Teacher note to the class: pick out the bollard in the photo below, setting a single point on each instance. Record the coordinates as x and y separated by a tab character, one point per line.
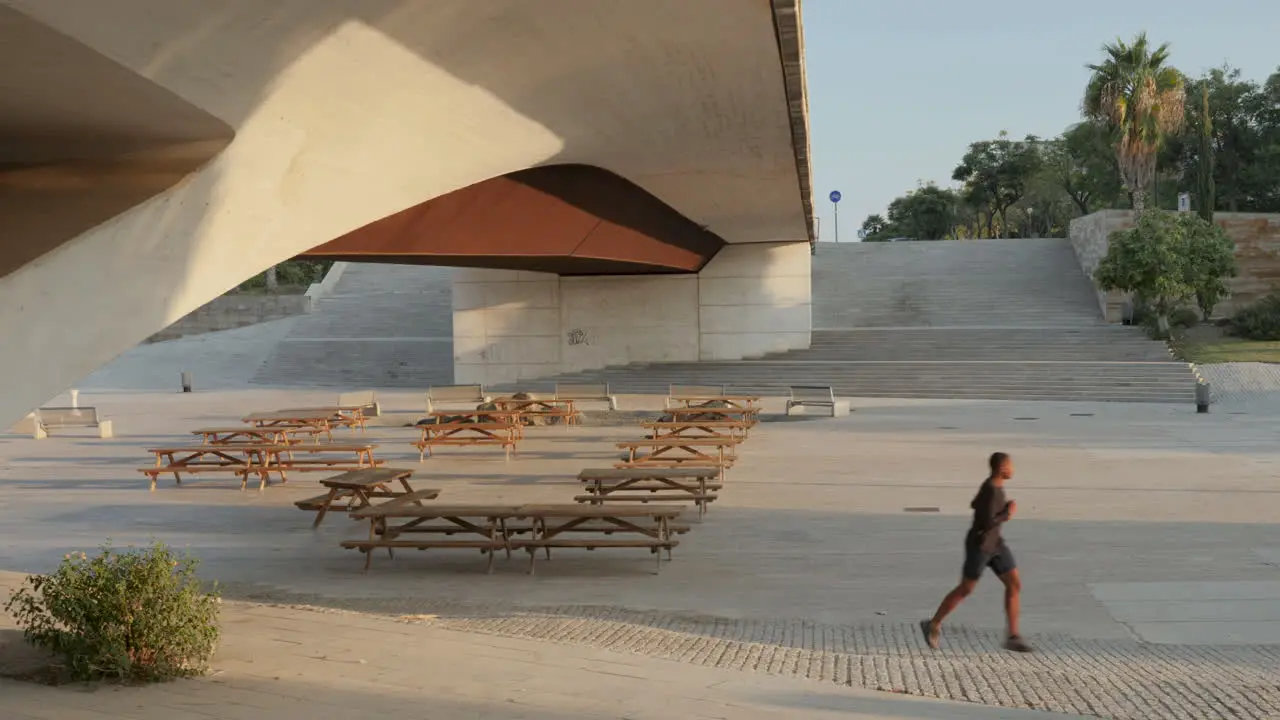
186	381
75	398
1202	397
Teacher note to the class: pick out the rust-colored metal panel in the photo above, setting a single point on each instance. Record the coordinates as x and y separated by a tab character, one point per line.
570	217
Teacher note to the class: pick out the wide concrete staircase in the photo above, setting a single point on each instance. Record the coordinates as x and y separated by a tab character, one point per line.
381	326
988	319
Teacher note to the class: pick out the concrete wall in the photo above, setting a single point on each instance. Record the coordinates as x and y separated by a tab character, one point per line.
1089	238
686	100
1257	240
748	301
234	311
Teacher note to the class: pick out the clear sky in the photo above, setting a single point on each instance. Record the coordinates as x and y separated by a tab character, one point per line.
899	88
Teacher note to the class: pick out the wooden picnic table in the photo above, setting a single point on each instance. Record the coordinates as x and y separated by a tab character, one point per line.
322	458
500	417
547	407
245	458
357	487
238	459
696	428
680	452
484	524
744	402
490	528
247	434
645	485
350	416
466	434
550	522
321	422
750	416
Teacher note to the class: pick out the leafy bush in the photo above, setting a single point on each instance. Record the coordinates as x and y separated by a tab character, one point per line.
1169	258
132	615
1259	321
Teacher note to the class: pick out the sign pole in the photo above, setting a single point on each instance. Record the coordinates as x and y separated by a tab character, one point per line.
835	207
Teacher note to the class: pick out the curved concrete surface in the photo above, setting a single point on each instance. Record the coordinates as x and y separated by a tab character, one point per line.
347	111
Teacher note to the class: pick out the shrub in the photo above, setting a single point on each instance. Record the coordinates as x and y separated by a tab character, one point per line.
132	615
1259	321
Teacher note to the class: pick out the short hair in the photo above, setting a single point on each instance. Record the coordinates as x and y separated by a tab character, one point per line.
997	459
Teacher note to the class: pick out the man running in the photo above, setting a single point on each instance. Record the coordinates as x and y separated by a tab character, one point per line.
983	548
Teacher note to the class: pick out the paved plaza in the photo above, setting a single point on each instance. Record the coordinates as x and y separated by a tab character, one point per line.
1146	536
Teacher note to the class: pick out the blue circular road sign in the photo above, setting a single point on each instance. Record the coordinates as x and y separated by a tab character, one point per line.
835	196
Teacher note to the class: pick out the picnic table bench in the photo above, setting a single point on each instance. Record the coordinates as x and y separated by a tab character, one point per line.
501	417
245	458
645	485
358	487
320	422
534	407
659	429
490	528
239	459
485	524
680	452
466	434
248	434
559	526
348	416
745	402
690	413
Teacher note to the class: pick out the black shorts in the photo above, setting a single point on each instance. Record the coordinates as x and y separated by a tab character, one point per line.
976	560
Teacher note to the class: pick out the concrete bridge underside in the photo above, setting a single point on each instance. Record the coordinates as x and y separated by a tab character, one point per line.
153	155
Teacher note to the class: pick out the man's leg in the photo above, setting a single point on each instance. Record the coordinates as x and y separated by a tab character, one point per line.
1012	599
932	628
1012	603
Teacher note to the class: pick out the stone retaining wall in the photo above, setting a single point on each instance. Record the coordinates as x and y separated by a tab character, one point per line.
233	311
1257	239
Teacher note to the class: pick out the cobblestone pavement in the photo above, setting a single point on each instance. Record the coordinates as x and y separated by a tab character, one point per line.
1121	679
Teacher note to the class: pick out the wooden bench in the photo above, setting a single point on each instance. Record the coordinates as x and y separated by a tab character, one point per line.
358	487
471	395
586	392
649	485
556	526
716	402
239	459
465	434
811	396
60	418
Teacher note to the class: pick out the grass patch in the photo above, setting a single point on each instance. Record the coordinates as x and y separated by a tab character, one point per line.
1227	349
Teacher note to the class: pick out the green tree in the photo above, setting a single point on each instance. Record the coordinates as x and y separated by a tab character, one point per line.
1205	191
926	213
1211	259
874	227
1167	259
1142	100
1084	164
998	172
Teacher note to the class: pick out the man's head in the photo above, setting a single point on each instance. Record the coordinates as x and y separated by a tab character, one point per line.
1001	466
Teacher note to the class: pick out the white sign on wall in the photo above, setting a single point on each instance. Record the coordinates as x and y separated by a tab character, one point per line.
1184	202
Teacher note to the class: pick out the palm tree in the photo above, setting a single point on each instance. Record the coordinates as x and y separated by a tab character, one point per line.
1143	101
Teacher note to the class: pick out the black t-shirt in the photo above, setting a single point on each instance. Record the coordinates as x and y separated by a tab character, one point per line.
990	510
